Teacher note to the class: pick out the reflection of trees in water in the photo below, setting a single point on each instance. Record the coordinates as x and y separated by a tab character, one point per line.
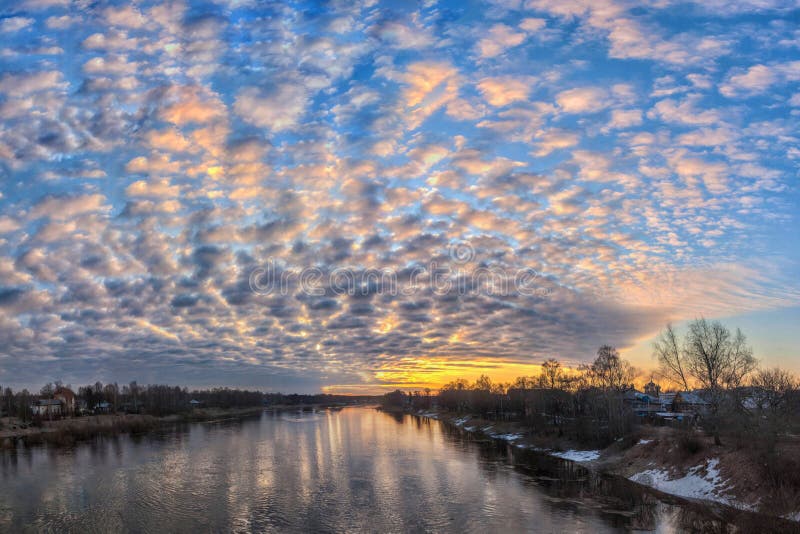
397	416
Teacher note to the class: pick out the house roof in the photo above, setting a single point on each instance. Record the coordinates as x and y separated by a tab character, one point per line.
666	398
48	402
689	398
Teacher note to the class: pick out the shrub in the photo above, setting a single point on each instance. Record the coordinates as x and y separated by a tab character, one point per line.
690	443
629	440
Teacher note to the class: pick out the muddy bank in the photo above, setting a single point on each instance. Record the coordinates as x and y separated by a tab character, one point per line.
654	457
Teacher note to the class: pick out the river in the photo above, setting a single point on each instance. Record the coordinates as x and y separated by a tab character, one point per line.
353	470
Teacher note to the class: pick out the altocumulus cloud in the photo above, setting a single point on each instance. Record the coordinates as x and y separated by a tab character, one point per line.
642	164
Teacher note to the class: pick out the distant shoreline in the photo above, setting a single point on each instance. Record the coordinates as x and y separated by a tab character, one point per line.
316	406
63	432
67	431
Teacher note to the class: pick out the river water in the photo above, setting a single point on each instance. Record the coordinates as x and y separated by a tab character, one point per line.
353	470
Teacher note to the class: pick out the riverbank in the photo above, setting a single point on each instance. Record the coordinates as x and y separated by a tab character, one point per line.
655	457
69	430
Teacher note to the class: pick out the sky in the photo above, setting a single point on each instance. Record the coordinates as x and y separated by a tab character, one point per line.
203	193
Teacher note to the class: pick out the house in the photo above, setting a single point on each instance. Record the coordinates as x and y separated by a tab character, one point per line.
753	398
102	407
656	405
689	402
638	402
67	398
665	400
194	403
46	408
651	403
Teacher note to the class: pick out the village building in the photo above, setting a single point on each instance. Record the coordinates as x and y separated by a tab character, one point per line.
67	398
652	390
689	402
669	406
47	408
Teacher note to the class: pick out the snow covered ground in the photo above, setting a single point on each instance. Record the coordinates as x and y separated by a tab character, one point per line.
578	456
793	517
693	485
507	437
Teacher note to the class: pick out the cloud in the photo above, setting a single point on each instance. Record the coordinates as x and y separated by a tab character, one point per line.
23	84
532	25
628	37
411	36
112	40
555	140
115	64
190	104
15	24
152	188
45	4
427	87
169	151
759	78
278	109
63	208
624	118
61	22
499	38
582	100
169	139
685	112
125	16
504	90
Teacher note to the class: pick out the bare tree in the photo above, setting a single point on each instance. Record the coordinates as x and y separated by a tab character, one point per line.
609	371
483	383
775	379
524	382
716	358
47	390
774	384
551	373
671	359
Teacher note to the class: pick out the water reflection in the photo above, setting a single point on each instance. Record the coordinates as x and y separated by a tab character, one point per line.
352	470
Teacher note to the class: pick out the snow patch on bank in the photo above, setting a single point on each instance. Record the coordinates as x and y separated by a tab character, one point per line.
693	485
507	437
577	456
793	517
644	441
460	422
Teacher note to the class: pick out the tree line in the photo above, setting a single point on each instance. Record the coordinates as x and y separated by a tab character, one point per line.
322	399
153	399
588	403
